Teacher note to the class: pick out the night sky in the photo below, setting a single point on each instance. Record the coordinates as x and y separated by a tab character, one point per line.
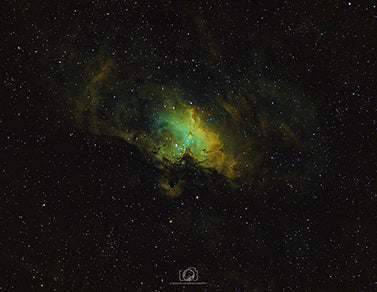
141	138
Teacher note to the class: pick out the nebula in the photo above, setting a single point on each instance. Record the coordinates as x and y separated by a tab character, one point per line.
227	133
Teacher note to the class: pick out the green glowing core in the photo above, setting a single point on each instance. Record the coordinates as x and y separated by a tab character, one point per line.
184	131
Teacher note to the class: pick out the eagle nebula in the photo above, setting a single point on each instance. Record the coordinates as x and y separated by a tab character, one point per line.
225	132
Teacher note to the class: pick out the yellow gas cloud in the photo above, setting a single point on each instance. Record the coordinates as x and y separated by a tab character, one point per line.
223	134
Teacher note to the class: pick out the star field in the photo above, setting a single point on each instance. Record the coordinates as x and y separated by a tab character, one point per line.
141	138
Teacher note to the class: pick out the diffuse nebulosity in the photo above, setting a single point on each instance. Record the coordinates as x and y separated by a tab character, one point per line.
225	132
